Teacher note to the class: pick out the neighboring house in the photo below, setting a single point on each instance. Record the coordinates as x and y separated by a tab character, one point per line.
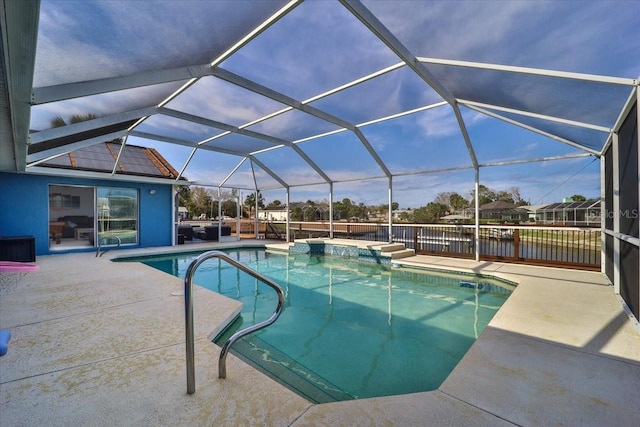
183	213
534	212
276	213
77	200
502	211
585	213
397	214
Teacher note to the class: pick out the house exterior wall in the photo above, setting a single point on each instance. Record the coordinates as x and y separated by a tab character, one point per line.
272	215
24	209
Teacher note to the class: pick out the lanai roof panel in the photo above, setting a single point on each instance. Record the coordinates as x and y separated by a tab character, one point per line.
215	99
394	92
239	144
585	101
103	104
172	127
118	38
353	162
316	47
553	35
495	140
424	141
290	166
294	125
586	138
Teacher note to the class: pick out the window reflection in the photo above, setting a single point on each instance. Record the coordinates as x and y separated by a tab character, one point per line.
117	212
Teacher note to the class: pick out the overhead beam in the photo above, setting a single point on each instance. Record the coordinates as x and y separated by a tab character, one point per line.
532	129
45	155
19	33
257	31
375	26
183	142
269	171
59	132
221	125
54	93
533	71
284	99
536	160
388	38
83	174
465	135
246	132
598	128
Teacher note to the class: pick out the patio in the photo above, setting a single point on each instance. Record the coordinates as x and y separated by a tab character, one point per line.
89	348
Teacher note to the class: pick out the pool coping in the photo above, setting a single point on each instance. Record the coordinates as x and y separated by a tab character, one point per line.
561	350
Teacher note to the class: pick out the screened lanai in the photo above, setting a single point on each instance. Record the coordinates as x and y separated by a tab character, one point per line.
377	97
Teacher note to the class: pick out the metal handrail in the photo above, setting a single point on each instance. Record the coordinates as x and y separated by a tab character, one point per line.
188	308
98	254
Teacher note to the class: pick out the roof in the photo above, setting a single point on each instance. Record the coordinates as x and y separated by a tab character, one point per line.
255	94
497	204
115	157
533	208
587	204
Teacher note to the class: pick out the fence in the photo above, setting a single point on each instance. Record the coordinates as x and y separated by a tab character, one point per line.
576	247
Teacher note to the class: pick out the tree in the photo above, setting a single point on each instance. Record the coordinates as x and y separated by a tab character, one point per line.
457	202
578	198
198	201
229	208
274	204
485	195
505	196
405	217
250	202
430	213
517	198
297	214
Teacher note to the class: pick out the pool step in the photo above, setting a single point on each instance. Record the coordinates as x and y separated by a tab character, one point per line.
404	253
286	371
391	247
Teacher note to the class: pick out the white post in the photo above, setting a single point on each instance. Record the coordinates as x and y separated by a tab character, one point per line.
616	215
174	208
390	219
603	214
331	210
638	147
219	215
238	213
256	193
288	199
477	201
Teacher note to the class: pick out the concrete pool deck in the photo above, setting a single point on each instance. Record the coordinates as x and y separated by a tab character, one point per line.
100	343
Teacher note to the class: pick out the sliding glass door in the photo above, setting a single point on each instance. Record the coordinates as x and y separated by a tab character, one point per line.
117	215
81	216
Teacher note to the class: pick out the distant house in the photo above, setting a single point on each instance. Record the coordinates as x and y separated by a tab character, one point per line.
183	213
102	193
275	213
534	212
502	211
398	214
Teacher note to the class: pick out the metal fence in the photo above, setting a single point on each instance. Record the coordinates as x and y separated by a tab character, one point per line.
576	247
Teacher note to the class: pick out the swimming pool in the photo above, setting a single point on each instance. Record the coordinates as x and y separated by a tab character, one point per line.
350	329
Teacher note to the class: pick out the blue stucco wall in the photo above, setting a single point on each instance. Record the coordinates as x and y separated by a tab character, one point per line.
24	208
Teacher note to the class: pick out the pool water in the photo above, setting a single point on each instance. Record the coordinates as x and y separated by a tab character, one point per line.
350	329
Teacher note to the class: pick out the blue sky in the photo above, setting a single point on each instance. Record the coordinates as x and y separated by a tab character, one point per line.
319	46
